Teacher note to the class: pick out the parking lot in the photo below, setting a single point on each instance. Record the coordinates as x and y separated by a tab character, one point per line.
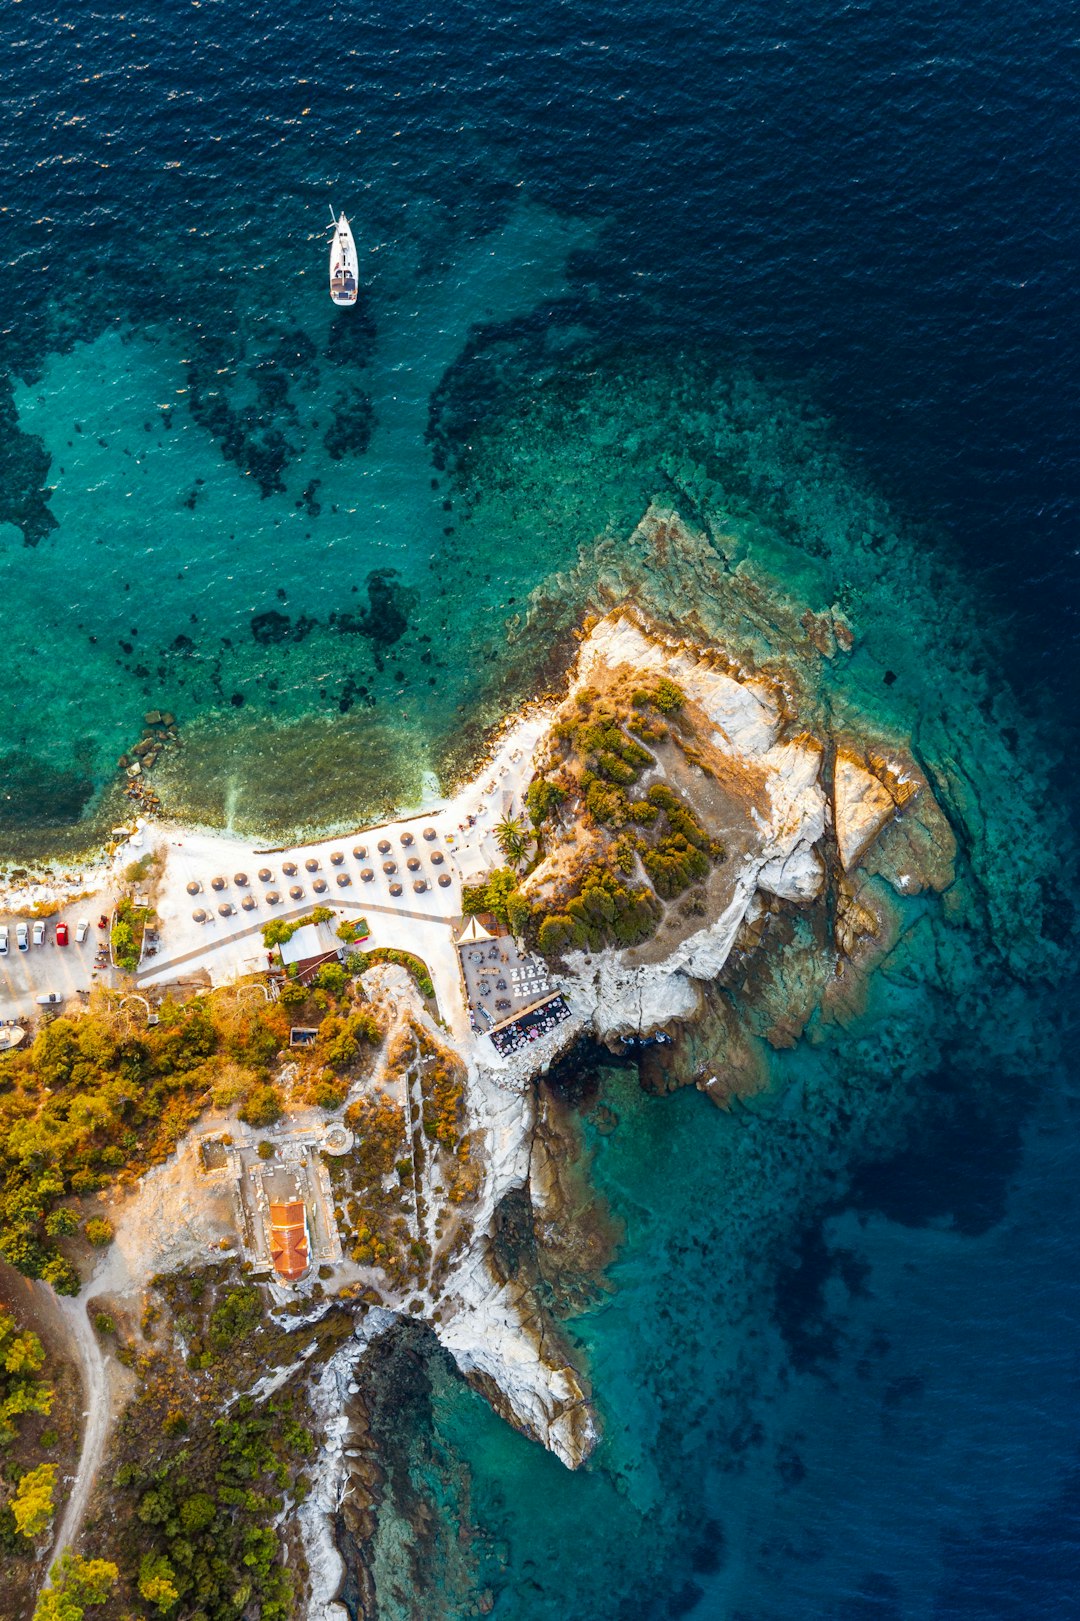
66	970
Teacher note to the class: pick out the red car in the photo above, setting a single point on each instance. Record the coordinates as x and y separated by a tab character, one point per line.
61	934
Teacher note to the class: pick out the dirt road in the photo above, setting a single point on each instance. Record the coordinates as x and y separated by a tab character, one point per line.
98	1414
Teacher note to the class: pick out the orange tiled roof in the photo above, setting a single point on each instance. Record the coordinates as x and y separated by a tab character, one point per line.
288	1240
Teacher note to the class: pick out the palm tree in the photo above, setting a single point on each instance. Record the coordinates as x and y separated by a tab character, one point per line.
511	838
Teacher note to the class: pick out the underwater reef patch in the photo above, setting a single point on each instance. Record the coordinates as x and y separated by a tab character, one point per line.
24	467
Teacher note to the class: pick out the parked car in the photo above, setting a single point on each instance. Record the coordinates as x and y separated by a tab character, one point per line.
61	934
81	932
49	998
22	936
39	934
3	939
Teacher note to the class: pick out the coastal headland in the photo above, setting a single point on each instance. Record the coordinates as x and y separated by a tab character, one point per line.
678	852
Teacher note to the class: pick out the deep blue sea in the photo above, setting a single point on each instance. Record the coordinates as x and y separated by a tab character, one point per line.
840	1368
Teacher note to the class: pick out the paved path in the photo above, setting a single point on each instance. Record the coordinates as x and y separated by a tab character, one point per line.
155	967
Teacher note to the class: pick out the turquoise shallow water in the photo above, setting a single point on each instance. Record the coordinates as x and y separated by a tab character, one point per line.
807	275
155	586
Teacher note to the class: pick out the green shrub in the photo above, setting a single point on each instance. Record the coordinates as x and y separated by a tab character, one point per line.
280	929
554	934
331	977
624	856
75	1584
492	896
649	731
606	804
238	1314
541	798
669	697
614	768
606	911
518	912
340	1039
674	865
99	1231
680	818
61	1223
634	754
262	1106
32	1505
125	951
328	1093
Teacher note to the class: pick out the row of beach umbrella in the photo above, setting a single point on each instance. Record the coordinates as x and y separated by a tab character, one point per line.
319	885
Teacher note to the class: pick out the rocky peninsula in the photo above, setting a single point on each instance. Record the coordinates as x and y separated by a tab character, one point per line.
704	862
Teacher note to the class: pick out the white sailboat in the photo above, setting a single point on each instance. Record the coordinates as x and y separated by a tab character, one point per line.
344	266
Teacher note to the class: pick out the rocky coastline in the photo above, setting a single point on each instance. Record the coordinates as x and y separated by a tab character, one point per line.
757	848
782	944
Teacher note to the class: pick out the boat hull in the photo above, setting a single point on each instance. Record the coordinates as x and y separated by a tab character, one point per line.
344	266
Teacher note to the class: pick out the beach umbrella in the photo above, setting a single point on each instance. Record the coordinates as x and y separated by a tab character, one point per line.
419	885
319	886
273	898
217	883
430	833
343	879
360	852
296	892
384	845
194	887
311	864
265	875
226	909
199	915
240	878
437	858
395	889
413	864
289	868
249	903
444	880
336	859
367	875
406	838
389	866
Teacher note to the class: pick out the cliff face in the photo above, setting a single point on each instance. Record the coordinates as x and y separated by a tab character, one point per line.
711	857
805	820
778	915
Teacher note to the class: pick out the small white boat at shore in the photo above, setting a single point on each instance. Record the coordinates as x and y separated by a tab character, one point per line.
344	266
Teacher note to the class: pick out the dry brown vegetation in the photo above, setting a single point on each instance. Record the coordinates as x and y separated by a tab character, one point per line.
99	1097
371	1186
641	846
190	1509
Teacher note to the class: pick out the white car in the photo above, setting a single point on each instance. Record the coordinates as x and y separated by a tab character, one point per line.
81	932
49	998
3	939
39	934
22	936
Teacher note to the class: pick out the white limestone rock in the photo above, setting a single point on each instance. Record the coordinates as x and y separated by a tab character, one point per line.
861	807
